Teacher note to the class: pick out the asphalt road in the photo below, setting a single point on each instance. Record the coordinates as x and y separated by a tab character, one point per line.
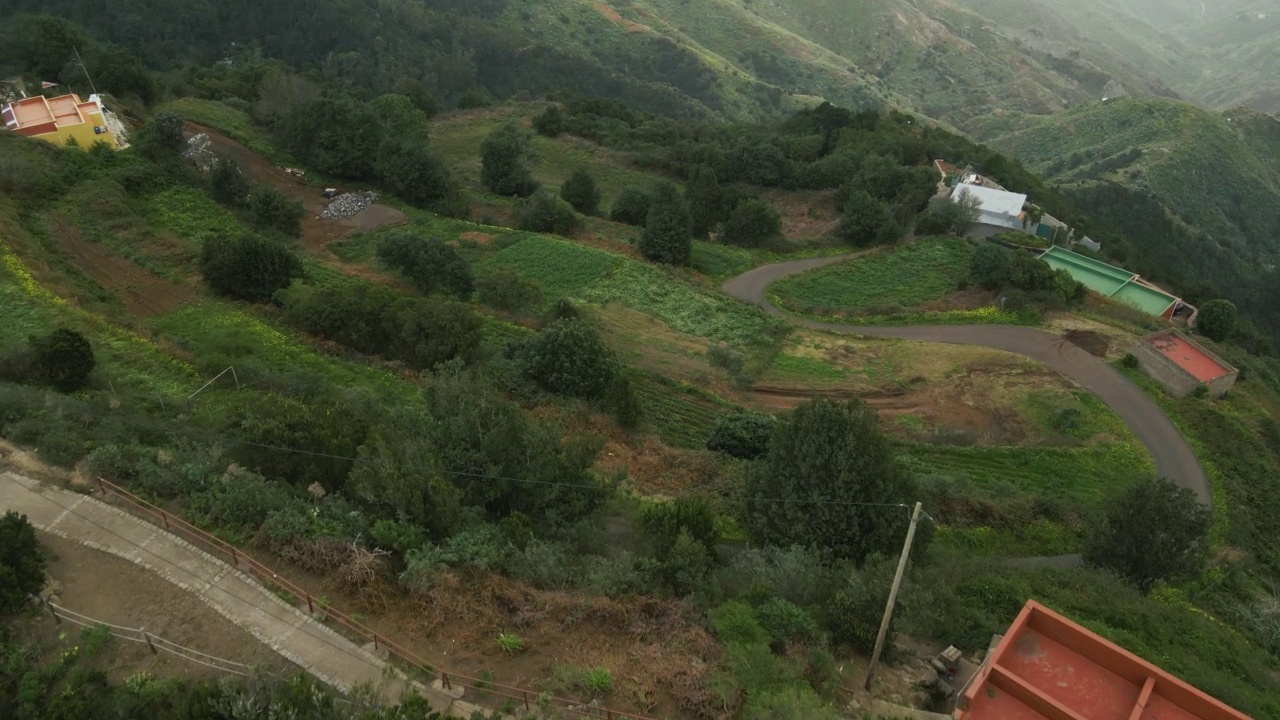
1173	456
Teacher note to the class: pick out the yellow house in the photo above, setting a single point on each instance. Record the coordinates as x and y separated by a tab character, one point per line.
59	120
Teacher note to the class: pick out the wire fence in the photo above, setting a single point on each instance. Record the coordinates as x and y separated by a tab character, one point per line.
512	697
155	643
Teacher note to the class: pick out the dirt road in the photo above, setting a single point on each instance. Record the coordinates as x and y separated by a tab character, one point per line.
1173	456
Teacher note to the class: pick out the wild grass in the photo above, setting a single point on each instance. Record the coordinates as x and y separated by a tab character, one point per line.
191	216
235	124
562	269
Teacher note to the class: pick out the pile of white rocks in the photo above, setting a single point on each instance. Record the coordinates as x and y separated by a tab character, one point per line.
348	204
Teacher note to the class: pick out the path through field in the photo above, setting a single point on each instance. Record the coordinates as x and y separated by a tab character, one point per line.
1173	456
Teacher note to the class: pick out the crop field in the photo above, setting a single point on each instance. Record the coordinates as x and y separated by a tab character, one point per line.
899	277
561	268
1086	475
681	415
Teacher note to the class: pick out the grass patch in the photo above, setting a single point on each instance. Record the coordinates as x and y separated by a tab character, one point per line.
235	124
191	215
804	369
561	268
899	278
682	415
721	262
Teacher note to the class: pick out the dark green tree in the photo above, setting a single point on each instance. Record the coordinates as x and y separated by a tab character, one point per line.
228	184
706	200
502	168
412	171
270	209
550	122
867	221
338	135
946	217
1153	531
1217	319
21	562
621	400
990	266
753	223
430	263
570	358
327	432
822	462
162	138
399	472
667	236
581	192
631	207
63	358
248	267
743	435
546	213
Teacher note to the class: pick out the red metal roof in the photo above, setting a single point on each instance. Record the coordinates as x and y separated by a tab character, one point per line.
1049	668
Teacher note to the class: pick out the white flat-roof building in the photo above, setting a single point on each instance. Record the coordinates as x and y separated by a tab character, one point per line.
999	208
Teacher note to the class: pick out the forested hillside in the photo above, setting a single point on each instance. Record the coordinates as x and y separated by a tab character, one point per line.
1197	194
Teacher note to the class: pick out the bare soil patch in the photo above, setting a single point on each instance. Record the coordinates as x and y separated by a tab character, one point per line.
141	292
1091	342
479	238
113	590
372	218
805	213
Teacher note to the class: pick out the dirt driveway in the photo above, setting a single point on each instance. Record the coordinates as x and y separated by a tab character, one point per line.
1173	456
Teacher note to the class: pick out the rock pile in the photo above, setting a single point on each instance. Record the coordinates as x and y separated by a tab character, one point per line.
348	204
199	151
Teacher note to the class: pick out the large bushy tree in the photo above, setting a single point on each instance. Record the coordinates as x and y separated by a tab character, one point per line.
668	234
63	358
338	135
409	169
228	184
569	357
581	192
1153	531
706	200
248	267
430	263
753	223
823	483
1217	319
867	221
631	206
502	168
21	563
270	209
546	213
743	435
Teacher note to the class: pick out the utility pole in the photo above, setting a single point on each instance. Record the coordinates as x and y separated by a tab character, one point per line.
85	69
893	595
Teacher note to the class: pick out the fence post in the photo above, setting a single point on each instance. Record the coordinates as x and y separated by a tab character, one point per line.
375	641
444	677
310	608
52	612
147	636
235	560
102	488
525	694
165	517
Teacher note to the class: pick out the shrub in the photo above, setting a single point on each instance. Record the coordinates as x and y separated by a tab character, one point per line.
510	643
270	209
429	263
753	223
546	213
706	200
743	435
1130	361
621	400
248	267
736	623
505	289
631	207
412	171
598	680
550	122
63	358
581	192
21	563
569	357
668	230
786	622
867	221
228	184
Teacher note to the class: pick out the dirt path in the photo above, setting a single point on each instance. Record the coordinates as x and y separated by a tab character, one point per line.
1173	456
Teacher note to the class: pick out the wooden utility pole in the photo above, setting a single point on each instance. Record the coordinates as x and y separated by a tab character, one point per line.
893	595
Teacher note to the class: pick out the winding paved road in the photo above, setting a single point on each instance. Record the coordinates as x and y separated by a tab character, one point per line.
1173	457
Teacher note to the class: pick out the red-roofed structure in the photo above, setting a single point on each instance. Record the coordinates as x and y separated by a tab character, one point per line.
1181	364
1049	668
